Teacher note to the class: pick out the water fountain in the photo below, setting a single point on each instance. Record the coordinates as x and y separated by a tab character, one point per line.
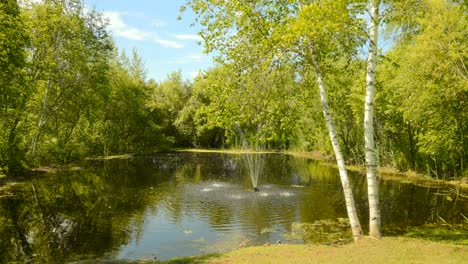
254	159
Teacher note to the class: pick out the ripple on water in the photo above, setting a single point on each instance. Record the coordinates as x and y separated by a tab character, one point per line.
286	194
236	196
226	200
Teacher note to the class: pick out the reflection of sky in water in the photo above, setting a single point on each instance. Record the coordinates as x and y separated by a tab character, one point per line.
184	226
165	237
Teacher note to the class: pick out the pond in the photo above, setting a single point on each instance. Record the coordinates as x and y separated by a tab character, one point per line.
181	204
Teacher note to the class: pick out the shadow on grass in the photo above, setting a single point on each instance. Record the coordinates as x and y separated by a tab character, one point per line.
458	236
195	260
442	233
185	260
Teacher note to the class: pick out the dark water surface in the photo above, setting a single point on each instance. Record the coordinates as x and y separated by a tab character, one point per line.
182	204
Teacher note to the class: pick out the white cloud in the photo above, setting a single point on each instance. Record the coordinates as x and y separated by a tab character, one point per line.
168	43
188	37
157	23
196	57
122	29
190	59
134	34
194	74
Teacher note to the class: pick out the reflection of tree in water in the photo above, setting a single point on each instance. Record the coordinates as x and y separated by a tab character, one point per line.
407	205
66	214
59	217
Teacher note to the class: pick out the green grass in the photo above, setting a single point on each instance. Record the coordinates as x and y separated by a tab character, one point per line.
390	250
387	250
452	234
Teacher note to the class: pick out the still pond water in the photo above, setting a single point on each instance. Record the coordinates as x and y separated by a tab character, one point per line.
182	204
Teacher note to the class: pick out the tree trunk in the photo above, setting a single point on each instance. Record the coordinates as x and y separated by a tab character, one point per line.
42	118
372	184
348	192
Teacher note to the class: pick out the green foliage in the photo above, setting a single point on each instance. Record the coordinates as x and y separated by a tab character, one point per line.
327	231
420	122
67	61
66	93
261	104
14	89
425	92
126	122
168	99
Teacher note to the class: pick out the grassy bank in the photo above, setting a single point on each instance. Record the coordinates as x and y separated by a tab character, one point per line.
387	250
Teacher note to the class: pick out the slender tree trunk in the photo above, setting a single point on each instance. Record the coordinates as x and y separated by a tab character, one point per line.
12	151
42	118
371	165
348	192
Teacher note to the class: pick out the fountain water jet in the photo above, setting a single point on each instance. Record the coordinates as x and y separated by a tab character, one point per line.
254	160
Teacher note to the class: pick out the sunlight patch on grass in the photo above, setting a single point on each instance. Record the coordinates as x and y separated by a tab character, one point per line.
387	250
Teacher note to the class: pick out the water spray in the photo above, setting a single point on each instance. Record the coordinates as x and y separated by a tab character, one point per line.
254	160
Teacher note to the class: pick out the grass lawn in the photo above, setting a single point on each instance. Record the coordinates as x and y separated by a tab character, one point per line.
389	250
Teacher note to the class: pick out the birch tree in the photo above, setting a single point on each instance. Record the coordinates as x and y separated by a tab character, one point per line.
315	34
348	192
371	165
68	57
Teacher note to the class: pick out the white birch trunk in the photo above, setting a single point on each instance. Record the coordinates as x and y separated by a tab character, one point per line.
371	165
42	118
348	192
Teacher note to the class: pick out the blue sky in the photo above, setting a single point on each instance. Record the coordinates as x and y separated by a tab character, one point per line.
151	26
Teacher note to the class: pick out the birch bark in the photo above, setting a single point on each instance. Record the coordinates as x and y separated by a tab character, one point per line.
347	190
371	165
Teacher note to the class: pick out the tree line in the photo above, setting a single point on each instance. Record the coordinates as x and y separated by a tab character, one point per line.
68	93
266	80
